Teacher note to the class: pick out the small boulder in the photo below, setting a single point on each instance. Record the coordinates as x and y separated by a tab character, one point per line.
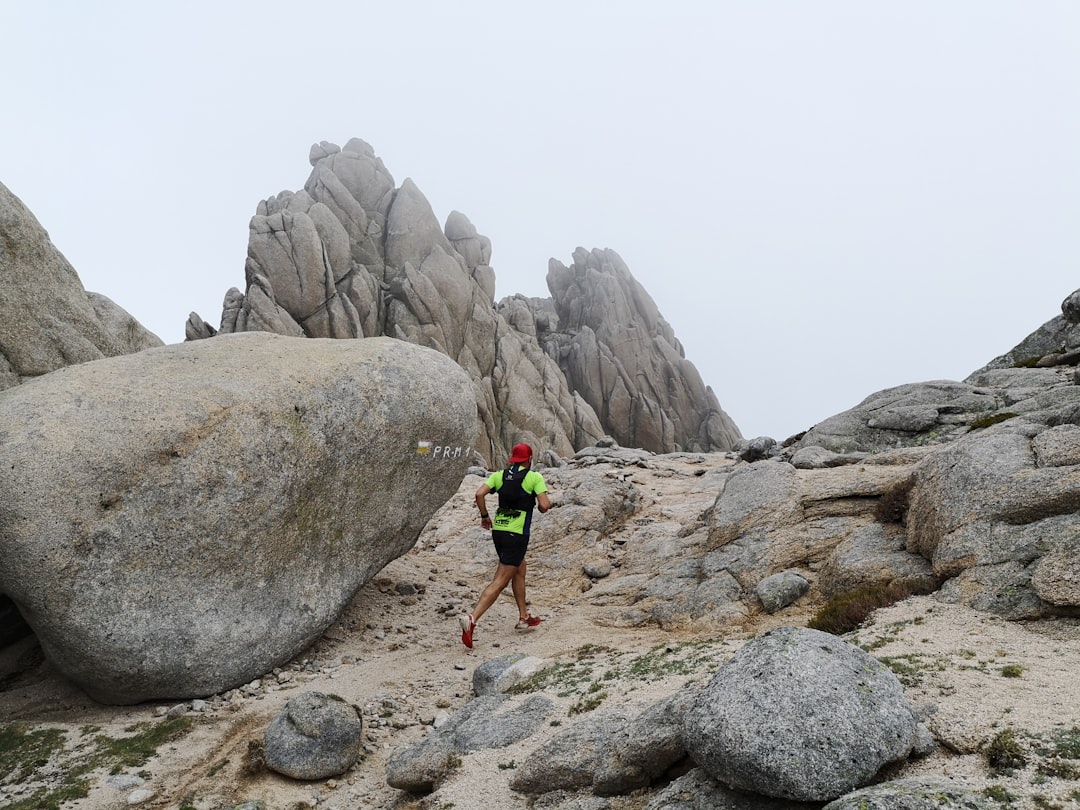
781	589
800	714
500	674
315	736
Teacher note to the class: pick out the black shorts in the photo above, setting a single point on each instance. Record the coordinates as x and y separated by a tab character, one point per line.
510	547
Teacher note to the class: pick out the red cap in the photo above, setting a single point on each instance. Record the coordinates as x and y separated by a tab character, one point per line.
520	454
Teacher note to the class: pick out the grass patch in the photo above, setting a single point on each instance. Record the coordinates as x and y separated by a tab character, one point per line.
888	633
991	419
1057	768
892	506
567	676
1012	671
586	673
136	750
999	794
39	755
1044	803
1005	754
1061	744
846	611
908	669
587	704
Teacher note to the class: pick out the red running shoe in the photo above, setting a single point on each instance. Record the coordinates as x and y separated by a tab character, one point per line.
528	623
467	627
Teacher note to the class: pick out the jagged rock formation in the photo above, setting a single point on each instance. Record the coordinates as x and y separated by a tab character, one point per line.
620	354
47	319
353	256
180	521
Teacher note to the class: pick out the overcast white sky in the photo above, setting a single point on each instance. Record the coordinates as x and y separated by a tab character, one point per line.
825	198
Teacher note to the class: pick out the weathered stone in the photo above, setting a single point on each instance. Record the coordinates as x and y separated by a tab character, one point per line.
47	320
1058	446
611	753
986	502
696	790
874	555
778	591
756	449
916	413
800	714
761	495
485	722
1056	575
913	794
500	674
315	736
179	521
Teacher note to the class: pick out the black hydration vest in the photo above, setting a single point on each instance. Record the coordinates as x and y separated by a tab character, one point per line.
511	494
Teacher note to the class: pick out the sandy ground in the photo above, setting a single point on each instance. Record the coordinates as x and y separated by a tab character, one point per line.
396	654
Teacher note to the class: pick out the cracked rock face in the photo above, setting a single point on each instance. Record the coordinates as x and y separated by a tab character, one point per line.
353	255
180	521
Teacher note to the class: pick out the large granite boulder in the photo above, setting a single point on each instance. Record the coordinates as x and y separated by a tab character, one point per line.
353	255
47	319
179	521
800	714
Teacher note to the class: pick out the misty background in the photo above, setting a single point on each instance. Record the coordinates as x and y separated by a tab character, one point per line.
825	199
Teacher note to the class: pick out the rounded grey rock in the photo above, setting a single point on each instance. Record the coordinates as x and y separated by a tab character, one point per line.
800	714
315	736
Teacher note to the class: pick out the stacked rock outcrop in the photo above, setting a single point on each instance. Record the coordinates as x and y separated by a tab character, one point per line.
352	255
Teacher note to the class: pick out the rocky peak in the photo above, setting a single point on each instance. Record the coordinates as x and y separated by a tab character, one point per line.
353	255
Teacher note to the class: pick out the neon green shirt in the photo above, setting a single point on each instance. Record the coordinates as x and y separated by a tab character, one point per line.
516	521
